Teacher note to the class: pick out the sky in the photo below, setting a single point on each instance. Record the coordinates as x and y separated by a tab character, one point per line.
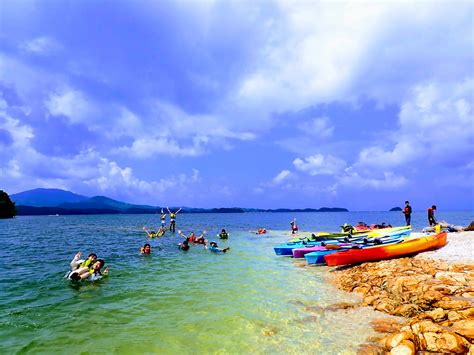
263	104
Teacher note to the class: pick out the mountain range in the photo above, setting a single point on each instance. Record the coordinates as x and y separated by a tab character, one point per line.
57	201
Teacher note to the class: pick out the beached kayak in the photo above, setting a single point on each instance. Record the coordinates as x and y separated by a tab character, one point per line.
317	256
407	247
371	233
287	248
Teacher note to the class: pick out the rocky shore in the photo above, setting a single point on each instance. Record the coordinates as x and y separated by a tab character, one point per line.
432	295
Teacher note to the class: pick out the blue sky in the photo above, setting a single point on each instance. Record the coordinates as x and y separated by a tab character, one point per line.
254	104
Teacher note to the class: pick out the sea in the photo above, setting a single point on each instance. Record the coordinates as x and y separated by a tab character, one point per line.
244	301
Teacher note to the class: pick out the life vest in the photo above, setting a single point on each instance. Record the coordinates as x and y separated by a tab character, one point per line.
86	263
172	215
406	210
224	235
430	212
262	231
192	238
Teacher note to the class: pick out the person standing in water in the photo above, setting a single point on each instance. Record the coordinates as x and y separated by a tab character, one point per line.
431	217
294	226
407	212
173	219
163	219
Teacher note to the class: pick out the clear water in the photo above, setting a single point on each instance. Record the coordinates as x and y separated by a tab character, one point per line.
245	301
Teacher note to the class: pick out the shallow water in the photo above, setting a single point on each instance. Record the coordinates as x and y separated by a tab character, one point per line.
247	300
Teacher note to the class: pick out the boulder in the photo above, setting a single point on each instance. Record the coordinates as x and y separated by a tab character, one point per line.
453	303
406	310
405	347
385	325
464	328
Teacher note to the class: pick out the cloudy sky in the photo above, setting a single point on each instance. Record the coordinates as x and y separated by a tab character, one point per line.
253	104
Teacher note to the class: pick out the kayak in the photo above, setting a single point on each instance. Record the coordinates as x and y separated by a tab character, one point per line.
370	233
286	249
317	257
300	252
407	247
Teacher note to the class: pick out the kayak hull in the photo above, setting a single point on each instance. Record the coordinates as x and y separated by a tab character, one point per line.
407	247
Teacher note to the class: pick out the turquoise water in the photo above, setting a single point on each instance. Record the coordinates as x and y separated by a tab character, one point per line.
247	300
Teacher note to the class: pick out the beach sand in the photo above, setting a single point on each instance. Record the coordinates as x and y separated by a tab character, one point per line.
460	248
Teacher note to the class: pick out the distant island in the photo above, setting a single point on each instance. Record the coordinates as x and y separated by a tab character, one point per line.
397	209
62	202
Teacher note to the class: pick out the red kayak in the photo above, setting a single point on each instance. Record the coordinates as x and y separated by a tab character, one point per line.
407	247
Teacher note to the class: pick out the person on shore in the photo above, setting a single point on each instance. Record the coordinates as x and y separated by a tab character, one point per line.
163	219
294	226
213	247
431	217
407	213
184	246
173	219
146	249
223	234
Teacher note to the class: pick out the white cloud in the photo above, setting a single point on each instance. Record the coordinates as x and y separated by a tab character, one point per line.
149	147
72	104
387	181
282	176
312	56
436	124
319	164
318	127
41	45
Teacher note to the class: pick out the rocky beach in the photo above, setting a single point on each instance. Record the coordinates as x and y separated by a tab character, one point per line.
430	295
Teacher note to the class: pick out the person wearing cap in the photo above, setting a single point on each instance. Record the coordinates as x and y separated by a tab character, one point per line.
215	248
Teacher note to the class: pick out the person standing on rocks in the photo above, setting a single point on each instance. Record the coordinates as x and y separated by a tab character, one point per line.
431	217
407	212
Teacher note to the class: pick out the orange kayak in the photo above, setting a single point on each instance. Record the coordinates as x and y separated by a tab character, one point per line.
407	247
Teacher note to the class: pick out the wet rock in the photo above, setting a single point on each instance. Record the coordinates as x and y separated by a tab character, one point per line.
341	305
393	340
370	349
384	325
405	347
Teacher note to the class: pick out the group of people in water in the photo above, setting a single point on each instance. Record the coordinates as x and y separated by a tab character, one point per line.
185	244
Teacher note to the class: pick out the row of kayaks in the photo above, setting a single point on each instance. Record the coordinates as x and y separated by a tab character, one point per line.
370	246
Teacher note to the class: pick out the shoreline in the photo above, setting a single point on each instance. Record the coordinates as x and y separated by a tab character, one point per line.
431	294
